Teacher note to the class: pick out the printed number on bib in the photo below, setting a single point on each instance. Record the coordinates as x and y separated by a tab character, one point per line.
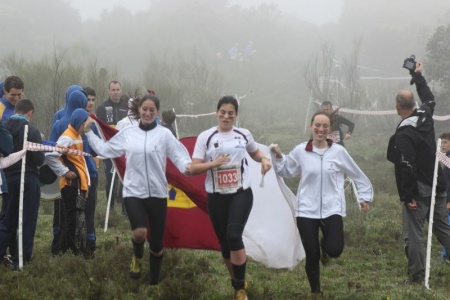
334	136
227	178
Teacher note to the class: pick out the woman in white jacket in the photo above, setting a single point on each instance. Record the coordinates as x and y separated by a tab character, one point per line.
146	148
322	166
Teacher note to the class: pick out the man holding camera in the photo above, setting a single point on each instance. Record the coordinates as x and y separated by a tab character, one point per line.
412	149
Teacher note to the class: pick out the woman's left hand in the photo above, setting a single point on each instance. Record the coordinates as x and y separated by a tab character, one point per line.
364	206
265	166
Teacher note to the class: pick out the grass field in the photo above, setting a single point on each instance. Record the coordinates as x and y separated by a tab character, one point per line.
373	265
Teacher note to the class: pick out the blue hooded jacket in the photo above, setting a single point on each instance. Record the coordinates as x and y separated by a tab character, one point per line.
60	113
9	109
77	118
2	92
76	99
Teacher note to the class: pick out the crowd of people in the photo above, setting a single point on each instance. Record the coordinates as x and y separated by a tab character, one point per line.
146	141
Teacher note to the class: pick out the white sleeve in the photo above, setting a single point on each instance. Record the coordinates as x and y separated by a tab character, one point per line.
55	164
251	144
289	165
113	148
177	153
200	148
362	182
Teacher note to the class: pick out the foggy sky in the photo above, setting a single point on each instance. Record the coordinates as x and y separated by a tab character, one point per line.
317	12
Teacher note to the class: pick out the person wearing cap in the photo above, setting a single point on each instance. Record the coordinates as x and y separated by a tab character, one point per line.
24	110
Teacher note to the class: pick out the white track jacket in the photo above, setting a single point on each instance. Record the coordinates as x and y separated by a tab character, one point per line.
321	188
146	153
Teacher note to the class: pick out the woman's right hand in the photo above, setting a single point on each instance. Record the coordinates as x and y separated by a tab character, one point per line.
221	160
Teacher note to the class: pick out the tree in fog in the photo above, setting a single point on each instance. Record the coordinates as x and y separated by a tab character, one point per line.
438	62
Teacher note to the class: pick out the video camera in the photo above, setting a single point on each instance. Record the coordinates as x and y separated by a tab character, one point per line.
410	63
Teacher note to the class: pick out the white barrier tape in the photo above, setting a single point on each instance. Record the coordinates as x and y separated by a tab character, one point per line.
11	159
40	147
196	116
380	112
443	158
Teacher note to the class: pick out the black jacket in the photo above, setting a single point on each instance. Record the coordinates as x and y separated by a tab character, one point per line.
338	121
6	145
412	148
111	112
446	174
35	159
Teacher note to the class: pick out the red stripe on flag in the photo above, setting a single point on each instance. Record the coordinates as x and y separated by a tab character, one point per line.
189	228
107	133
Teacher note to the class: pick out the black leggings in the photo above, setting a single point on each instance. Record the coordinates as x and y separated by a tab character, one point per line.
152	209
229	214
332	243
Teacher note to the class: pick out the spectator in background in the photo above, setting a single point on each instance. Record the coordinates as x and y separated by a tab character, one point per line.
337	134
13	91
76	99
24	110
167	119
445	148
92	165
249	50
6	148
412	149
133	114
234	52
112	111
60	113
74	181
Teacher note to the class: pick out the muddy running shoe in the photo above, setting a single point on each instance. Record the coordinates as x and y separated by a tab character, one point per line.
7	261
240	295
135	268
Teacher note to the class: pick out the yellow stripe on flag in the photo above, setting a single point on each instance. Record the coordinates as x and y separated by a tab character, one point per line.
177	198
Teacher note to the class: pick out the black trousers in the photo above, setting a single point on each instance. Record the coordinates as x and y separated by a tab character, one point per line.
332	243
229	214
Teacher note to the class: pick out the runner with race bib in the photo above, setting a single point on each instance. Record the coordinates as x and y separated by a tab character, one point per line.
220	151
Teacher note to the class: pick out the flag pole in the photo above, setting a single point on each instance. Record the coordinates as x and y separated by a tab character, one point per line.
307	111
176	125
22	187
430	221
109	198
